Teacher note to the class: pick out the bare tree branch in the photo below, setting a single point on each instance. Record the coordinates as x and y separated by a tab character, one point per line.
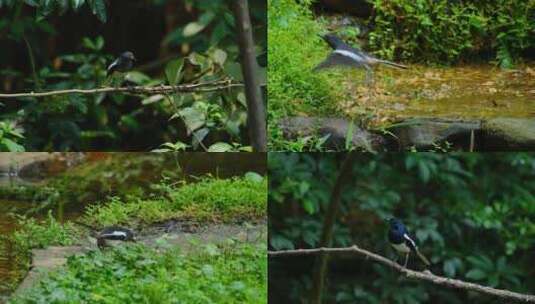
328	224
425	276
163	89
256	113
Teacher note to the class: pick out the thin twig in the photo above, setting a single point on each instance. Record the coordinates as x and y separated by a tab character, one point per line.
162	89
425	276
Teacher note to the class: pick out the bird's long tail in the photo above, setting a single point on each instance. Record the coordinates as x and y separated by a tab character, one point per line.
423	258
393	64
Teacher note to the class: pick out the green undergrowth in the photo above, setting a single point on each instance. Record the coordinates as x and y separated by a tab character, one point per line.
127	174
32	233
294	49
210	199
230	273
449	32
207	200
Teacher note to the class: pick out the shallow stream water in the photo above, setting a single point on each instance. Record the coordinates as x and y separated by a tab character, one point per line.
471	91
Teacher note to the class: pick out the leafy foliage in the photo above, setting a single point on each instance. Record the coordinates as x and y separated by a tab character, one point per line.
9	137
471	214
46	8
34	234
449	31
228	274
204	43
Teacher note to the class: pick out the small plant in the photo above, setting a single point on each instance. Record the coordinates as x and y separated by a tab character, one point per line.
10	138
34	234
144	275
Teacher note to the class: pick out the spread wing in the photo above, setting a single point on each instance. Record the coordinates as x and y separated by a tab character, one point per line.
339	59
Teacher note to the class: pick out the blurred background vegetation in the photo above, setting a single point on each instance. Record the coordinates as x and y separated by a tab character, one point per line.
472	214
52	45
431	32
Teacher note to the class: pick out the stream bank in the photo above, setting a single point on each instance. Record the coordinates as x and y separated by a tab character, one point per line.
421	134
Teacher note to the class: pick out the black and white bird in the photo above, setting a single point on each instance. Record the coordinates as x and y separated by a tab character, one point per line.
114	233
123	63
399	238
109	233
344	55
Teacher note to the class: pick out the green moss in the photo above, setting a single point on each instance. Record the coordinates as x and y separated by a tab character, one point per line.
210	199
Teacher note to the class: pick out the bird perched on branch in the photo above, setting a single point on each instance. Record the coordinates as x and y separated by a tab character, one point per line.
344	55
399	238
123	63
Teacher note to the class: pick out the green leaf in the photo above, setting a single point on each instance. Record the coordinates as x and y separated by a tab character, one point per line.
219	57
30	2
98	8
476	274
193	118
137	77
220	147
173	71
8	145
279	242
194	28
76	4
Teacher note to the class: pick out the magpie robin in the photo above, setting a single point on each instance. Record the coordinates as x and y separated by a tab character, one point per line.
114	233
123	63
399	238
347	56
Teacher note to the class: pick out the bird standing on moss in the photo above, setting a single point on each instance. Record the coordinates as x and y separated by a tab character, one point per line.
114	233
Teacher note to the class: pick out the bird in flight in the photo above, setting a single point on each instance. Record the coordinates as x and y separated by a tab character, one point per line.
344	55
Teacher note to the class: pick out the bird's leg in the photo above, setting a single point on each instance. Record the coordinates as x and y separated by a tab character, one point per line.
369	75
369	80
406	260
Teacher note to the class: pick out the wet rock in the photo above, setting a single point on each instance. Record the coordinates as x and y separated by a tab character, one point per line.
425	133
46	260
335	128
509	134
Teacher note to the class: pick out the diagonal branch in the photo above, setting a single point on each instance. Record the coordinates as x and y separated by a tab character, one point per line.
425	276
162	89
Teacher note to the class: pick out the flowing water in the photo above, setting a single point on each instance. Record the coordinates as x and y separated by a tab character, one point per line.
473	91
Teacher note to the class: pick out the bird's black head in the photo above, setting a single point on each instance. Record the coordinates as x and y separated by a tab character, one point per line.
394	223
333	41
128	55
